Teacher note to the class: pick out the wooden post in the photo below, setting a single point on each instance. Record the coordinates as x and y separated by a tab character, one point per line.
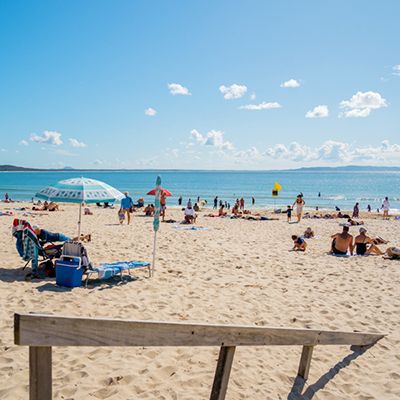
222	372
305	361
40	380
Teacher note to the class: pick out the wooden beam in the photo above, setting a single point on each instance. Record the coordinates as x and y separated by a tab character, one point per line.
222	372
40	374
49	330
305	361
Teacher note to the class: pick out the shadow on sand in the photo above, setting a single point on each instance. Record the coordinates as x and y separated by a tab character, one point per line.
299	383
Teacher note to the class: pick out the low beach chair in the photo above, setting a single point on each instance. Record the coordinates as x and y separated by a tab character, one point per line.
108	270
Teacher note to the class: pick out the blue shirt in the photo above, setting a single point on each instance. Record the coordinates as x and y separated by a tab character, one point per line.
126	203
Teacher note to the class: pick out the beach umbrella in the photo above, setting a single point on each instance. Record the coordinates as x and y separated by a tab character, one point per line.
153	192
156	220
80	190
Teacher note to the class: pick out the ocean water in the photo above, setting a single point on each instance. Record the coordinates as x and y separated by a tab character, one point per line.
337	188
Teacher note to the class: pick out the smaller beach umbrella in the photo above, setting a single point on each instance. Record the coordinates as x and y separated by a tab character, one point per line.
153	192
156	220
80	190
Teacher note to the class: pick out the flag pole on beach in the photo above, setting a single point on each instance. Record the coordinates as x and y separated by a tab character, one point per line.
156	221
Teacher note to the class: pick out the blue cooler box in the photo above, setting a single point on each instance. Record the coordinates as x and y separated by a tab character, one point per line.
68	272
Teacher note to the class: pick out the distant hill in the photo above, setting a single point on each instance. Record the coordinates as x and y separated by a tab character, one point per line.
14	168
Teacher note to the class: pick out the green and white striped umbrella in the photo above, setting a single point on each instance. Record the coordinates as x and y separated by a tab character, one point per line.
80	190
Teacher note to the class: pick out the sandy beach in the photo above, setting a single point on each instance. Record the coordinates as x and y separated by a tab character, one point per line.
235	272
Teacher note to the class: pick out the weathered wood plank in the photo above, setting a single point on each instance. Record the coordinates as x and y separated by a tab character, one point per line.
305	361
49	330
222	372
40	373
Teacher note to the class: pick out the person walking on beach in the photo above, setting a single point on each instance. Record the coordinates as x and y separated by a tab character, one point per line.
386	208
369	208
299	203
127	206
180	201
215	202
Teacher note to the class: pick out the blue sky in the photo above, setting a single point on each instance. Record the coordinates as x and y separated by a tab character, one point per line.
210	84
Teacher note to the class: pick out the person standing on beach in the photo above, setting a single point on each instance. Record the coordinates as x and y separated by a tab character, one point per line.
299	203
215	202
127	206
180	201
386	208
356	211
253	201
241	203
163	205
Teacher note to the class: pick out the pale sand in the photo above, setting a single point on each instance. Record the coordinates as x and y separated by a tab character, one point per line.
236	272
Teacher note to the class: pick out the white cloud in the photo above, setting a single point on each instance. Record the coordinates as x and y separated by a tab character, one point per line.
151	112
213	138
320	111
334	152
361	104
233	92
291	83
23	143
76	143
48	137
396	69
253	96
176	88
261	106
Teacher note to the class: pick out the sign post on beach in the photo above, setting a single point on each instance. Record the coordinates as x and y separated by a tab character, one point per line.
156	221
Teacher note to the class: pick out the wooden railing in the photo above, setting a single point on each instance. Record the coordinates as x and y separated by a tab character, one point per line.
41	332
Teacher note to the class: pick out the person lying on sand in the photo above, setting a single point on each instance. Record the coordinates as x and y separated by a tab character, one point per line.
44	207
364	244
342	242
299	244
308	233
355	223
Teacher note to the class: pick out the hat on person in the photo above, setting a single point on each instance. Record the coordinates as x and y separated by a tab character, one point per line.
35	227
363	230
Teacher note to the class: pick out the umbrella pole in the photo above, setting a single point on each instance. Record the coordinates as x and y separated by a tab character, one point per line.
79	222
154	254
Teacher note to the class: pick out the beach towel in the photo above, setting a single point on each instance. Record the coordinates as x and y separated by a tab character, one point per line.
190	228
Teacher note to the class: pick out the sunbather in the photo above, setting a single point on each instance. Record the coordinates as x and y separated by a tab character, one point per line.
342	242
364	244
190	214
308	233
149	210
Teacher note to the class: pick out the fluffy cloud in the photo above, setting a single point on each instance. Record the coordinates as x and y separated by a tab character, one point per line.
361	104
333	152
23	143
151	112
212	138
291	83
76	143
261	106
233	92
396	69
48	137
318	112
176	88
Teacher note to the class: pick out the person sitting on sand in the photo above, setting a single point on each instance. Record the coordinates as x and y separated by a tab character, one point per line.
299	244
190	214
342	242
361	243
308	233
44	207
53	206
235	209
221	212
149	210
196	207
87	211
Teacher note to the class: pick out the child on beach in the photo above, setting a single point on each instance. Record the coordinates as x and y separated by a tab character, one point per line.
121	216
289	213
299	244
